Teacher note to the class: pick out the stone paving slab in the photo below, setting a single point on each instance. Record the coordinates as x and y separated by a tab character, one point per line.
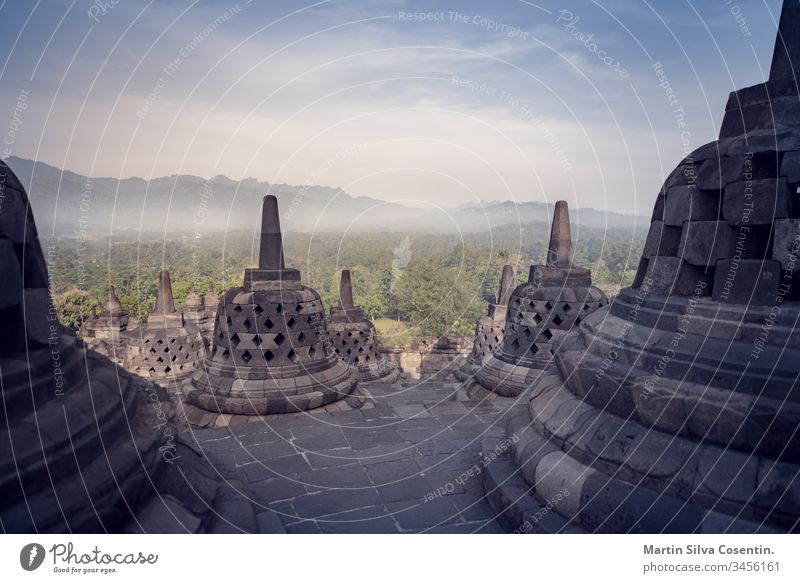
410	464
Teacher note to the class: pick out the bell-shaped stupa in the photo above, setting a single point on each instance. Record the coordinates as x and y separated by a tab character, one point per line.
676	409
272	352
489	329
167	348
556	298
355	339
86	446
105	332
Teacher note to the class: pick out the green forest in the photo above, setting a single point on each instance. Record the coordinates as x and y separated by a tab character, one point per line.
428	285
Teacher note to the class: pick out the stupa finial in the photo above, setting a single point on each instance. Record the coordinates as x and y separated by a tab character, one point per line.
787	44
346	291
271	250
559	252
165	302
506	285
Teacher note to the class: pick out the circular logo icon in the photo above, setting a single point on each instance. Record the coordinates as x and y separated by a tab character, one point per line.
31	556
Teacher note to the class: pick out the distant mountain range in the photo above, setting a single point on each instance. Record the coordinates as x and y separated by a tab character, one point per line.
64	203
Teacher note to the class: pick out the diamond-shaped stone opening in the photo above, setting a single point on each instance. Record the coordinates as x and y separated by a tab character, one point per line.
548	306
311	352
279	308
258	309
280	339
567	308
221	336
557	320
237	308
515	344
246	356
172	341
152	370
226	354
257	340
349	351
168	369
290	322
152	351
547	334
298	308
159	359
268	324
166	349
537	318
268	355
586	307
235	340
527	332
301	337
534	349
160	341
174	358
247	324
292	355
577	322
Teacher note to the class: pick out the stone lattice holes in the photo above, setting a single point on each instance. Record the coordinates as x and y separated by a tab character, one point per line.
272	352
676	408
557	298
355	339
168	348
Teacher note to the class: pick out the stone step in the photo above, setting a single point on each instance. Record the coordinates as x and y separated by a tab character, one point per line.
511	499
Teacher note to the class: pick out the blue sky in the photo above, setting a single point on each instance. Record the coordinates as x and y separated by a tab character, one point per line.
426	103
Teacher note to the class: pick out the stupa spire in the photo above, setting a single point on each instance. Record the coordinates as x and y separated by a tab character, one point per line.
346	291
165	302
786	55
271	251
559	251
506	285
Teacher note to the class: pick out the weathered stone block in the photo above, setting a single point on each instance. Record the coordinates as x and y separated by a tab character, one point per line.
715	174
790	167
704	242
662	240
746	282
786	243
687	203
674	276
756	202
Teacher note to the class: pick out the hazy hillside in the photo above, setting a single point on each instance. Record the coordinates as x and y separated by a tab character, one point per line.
65	202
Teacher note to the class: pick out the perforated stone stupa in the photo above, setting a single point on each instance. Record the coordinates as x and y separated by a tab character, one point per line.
167	348
489	329
272	352
355	339
105	332
84	445
676	409
557	297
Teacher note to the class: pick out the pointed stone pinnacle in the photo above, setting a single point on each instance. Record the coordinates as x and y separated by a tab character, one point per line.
559	252
786	56
346	291
165	303
506	285
270	254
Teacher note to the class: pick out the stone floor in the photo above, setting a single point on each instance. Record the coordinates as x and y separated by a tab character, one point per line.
411	463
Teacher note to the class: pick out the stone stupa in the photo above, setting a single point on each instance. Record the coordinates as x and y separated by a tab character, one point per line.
557	297
677	408
355	340
105	332
167	348
86	446
272	352
489	329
